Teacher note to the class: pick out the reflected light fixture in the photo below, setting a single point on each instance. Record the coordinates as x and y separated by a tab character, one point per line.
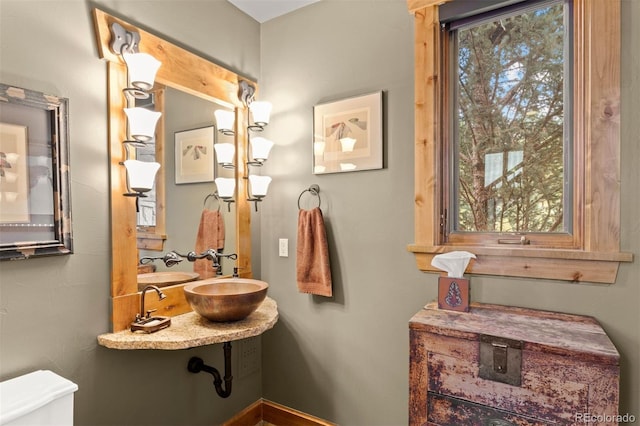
226	189
225	120
140	177
225	153
318	148
347	144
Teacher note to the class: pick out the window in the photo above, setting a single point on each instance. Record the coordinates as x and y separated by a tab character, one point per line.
517	137
509	73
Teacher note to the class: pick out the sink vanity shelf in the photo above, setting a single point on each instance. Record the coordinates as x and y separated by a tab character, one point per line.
190	330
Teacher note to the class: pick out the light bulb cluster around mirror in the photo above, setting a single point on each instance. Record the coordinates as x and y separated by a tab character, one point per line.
142	122
258	148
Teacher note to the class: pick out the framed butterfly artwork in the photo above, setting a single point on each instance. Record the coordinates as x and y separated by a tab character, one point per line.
194	155
347	135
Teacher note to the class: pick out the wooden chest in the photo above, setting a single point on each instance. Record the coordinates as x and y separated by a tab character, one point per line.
499	366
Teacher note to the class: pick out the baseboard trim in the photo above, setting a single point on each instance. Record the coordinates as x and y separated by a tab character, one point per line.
267	411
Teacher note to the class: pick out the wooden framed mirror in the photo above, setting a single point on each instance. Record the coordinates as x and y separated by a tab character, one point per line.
193	75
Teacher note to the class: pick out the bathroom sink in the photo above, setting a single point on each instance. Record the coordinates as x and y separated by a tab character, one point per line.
163	279
225	299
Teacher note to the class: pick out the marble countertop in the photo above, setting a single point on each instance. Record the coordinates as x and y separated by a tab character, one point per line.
191	330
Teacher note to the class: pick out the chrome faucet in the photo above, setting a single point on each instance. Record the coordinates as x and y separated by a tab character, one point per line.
172	258
142	315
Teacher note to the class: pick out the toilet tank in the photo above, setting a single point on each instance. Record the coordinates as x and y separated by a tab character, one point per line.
40	398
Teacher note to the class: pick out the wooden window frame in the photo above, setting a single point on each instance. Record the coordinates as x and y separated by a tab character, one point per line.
596	255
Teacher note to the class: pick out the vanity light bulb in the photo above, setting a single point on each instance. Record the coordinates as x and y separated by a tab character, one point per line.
347	144
226	187
318	148
259	185
142	123
9	197
12	157
225	120
347	167
142	69
260	111
260	148
225	153
141	174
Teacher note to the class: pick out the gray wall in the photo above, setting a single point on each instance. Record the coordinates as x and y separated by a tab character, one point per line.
346	359
52	309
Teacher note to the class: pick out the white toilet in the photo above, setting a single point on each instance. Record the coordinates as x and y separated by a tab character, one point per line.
41	398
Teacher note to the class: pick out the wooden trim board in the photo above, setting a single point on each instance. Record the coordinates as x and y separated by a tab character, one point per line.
263	412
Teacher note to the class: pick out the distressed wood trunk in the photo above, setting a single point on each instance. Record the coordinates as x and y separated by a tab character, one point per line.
500	366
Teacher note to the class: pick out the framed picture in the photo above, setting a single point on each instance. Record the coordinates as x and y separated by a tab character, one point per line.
347	135
195	160
35	202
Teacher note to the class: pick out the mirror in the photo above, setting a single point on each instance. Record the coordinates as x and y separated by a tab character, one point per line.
190	74
183	203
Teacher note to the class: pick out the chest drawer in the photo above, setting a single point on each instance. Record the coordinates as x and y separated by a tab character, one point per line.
566	367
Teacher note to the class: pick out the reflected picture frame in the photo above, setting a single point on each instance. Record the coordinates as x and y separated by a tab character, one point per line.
35	194
348	135
194	155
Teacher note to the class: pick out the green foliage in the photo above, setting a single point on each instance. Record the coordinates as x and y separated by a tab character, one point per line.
510	123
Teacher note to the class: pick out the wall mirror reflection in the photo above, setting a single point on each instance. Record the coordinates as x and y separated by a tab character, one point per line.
194	214
190	90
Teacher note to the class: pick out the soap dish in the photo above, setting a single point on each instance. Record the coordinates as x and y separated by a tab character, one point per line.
151	325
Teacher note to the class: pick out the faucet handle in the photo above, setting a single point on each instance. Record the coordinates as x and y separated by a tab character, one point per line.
149	311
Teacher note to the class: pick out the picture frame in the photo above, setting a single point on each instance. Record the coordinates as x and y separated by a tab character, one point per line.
35	195
194	155
347	135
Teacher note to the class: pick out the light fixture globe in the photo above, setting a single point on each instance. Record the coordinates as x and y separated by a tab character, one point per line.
142	69
259	185
225	120
141	176
260	148
226	187
142	123
225	154
260	111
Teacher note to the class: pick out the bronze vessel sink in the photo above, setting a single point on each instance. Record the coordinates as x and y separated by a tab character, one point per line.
225	299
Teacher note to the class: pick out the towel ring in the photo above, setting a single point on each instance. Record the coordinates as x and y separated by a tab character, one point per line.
314	190
214	195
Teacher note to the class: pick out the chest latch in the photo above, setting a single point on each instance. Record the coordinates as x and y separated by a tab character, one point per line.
500	359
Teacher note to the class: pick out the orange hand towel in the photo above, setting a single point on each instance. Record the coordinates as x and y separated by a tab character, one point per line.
313	271
210	235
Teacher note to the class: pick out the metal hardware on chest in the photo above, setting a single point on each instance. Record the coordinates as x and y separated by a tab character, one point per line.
500	359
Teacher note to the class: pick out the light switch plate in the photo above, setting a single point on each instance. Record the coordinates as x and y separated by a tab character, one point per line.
283	247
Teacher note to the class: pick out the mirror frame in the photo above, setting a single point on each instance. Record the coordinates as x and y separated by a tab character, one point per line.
197	76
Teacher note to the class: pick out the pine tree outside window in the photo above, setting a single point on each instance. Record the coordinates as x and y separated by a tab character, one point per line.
510	134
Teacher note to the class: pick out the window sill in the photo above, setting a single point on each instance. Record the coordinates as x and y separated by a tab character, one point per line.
555	264
149	241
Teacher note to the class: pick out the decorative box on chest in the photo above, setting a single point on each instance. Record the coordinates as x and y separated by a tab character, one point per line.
499	366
